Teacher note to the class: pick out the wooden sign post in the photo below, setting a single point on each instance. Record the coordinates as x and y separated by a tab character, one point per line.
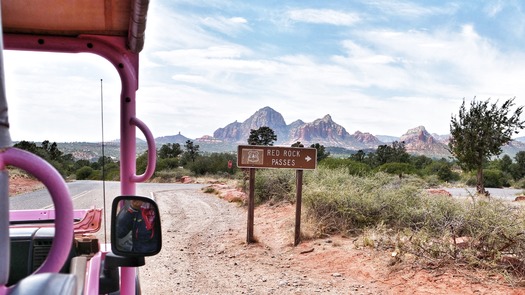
251	207
299	197
253	156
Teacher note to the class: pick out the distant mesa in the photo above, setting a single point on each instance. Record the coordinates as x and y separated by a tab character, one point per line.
179	138
324	131
387	138
419	141
208	139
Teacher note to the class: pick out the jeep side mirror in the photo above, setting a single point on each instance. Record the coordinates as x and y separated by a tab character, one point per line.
135	226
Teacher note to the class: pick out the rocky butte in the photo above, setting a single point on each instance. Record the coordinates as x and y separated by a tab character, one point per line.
323	131
330	134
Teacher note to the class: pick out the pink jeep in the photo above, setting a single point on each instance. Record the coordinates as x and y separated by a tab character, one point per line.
55	251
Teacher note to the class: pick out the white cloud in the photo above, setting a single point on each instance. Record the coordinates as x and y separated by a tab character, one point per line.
199	71
229	26
57	96
324	16
433	60
213	52
239	20
493	8
411	9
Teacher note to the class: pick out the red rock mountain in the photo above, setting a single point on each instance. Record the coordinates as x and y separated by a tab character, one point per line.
419	141
239	132
330	134
324	131
320	130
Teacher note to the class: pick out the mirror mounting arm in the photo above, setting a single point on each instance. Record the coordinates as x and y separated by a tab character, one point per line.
109	276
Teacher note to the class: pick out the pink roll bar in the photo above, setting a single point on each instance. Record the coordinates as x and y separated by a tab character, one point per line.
62	201
152	153
113	49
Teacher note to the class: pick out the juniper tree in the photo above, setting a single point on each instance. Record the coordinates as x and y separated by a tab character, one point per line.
478	133
262	136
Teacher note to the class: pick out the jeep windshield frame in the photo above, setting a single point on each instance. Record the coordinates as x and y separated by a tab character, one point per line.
112	29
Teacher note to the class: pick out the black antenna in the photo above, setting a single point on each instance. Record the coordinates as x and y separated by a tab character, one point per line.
103	161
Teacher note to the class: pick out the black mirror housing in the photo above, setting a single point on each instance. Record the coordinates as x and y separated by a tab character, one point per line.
135	226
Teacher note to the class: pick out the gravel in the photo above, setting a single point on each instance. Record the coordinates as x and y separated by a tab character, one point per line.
204	252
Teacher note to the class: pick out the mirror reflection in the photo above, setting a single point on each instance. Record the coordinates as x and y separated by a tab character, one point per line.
136	226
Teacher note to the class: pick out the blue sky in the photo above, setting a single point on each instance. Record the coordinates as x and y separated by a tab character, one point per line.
375	66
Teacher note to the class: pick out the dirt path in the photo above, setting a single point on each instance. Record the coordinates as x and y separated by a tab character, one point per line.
204	252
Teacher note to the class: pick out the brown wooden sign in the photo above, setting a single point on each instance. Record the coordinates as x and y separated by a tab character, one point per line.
261	156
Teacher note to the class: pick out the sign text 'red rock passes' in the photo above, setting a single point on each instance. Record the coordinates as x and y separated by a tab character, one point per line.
255	156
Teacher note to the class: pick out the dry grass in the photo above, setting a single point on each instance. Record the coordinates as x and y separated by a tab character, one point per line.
388	213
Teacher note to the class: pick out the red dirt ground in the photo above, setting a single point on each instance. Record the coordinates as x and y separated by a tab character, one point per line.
338	254
19	184
274	226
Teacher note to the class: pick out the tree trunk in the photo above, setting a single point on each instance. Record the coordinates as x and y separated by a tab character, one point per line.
480	186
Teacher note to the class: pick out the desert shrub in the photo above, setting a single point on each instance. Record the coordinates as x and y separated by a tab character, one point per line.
489	230
396	213
358	168
334	163
443	170
492	178
341	203
353	167
172	175
96	175
274	185
433	180
495	227
212	164
519	183
84	173
167	164
397	168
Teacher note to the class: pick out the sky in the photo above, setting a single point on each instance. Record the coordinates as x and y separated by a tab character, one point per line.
381	67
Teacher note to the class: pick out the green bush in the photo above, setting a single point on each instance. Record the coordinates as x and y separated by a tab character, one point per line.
358	168
442	169
496	178
274	185
84	173
413	221
340	202
433	180
397	168
519	183
96	175
353	167
112	174
333	163
167	164
212	164
172	175
492	178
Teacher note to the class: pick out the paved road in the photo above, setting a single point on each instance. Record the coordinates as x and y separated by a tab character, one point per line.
91	194
507	194
87	194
